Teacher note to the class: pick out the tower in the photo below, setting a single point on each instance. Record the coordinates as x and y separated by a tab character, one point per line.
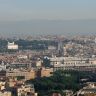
95	40
64	51
60	48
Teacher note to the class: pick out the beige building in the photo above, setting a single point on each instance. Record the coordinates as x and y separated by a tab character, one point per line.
39	63
5	93
45	72
26	90
27	74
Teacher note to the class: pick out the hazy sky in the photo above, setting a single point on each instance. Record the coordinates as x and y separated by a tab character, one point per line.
21	15
47	9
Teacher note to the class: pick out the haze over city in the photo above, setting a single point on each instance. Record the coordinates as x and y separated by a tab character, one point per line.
42	17
47	47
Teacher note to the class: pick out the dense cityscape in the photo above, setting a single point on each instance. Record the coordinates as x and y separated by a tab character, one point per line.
47	47
48	66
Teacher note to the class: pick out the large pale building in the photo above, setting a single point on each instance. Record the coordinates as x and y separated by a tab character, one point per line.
71	63
26	74
12	46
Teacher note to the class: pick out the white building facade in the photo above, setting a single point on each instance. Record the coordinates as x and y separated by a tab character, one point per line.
12	46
